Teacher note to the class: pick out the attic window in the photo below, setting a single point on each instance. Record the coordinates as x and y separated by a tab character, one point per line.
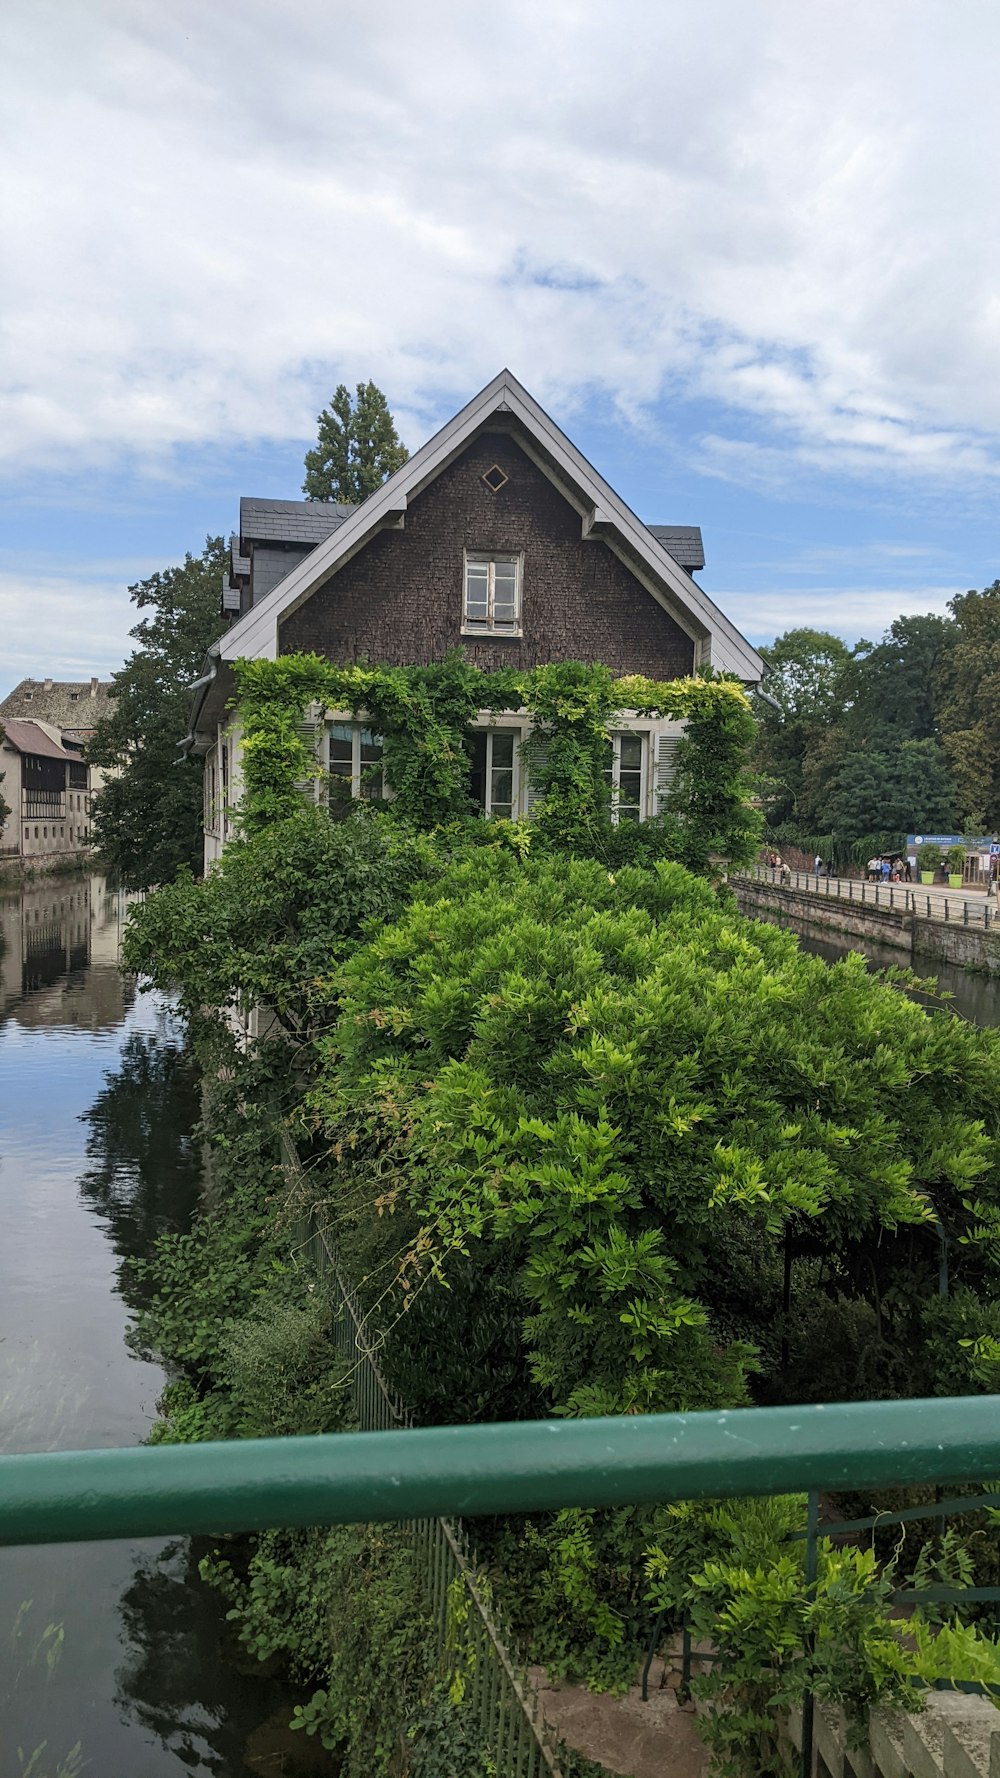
495	478
492	595
73	696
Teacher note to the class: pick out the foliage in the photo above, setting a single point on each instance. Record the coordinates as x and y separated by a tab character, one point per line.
358	447
903	788
894	734
626	1085
148	817
969	689
425	715
279	911
929	857
344	1609
734	1572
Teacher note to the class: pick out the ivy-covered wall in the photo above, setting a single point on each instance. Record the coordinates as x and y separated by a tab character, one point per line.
425	715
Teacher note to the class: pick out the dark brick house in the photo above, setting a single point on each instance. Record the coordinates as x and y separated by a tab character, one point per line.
496	536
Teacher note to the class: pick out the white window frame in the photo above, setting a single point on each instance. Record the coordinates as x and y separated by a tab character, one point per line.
488	626
490	731
357	770
616	738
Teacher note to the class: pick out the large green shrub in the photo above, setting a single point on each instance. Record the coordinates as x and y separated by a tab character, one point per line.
628	1088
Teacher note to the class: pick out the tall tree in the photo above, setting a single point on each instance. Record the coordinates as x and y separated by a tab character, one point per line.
895	684
968	685
148	817
358	447
804	695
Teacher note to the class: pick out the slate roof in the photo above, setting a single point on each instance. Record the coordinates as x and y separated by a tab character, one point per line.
683	542
291	521
238	565
31	701
28	737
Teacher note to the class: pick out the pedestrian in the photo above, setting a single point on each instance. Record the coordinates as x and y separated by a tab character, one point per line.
885	870
907	872
873	870
817	864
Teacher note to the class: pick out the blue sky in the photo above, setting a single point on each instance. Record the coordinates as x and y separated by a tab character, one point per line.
745	256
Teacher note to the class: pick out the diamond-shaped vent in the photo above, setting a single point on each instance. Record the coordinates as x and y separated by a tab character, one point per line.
495	478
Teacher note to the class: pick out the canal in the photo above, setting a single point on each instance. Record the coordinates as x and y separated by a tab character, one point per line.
114	1659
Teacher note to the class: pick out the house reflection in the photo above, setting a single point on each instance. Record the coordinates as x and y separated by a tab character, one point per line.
59	945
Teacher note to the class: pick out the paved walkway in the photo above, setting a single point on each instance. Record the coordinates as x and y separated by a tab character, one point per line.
967	907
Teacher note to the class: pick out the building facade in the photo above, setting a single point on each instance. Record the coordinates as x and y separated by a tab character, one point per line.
45	782
496	537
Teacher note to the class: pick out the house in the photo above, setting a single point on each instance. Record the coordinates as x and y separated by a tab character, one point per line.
45	781
496	536
73	706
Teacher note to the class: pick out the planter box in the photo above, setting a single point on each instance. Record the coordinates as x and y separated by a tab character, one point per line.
954	879
927	876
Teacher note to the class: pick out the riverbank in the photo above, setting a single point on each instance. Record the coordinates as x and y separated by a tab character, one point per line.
968	946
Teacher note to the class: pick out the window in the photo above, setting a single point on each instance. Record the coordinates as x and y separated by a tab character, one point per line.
626	775
355	764
492	594
492	780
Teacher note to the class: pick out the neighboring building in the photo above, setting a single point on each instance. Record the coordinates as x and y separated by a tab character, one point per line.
45	781
73	706
497	536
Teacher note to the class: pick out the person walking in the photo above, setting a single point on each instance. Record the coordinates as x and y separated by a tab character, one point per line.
817	864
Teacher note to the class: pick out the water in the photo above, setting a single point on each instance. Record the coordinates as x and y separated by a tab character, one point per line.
972	996
114	1659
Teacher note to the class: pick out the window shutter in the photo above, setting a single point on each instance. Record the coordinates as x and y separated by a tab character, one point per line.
667	743
310	731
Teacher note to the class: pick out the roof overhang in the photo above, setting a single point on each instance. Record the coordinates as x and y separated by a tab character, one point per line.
504	402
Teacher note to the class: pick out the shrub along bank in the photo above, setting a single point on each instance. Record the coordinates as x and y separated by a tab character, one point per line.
568	1117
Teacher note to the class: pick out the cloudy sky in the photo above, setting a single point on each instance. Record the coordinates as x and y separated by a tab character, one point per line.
746	255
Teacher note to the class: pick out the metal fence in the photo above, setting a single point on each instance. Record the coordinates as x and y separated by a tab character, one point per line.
897	898
471	1650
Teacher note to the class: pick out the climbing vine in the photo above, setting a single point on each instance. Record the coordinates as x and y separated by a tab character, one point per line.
426	714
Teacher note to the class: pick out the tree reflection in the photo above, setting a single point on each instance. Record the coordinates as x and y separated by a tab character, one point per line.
174	1681
146	1166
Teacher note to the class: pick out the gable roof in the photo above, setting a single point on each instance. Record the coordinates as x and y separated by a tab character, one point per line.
30	737
604	515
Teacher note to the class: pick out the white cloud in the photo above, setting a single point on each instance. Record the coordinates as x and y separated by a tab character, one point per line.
54	626
211	213
848	611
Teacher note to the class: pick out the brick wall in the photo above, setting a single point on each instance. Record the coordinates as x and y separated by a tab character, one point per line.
400	600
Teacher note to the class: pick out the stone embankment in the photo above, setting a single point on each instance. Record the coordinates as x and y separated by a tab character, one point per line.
967	942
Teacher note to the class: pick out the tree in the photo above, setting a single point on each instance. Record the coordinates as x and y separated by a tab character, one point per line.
805	674
901	789
895	683
968	685
148	817
358	447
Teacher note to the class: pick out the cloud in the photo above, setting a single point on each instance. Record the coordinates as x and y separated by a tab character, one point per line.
848	611
63	627
210	215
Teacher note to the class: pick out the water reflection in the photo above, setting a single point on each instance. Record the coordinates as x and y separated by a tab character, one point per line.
115	1647
59	954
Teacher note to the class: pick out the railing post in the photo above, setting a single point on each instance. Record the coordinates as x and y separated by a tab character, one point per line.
812	1568
684	1689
